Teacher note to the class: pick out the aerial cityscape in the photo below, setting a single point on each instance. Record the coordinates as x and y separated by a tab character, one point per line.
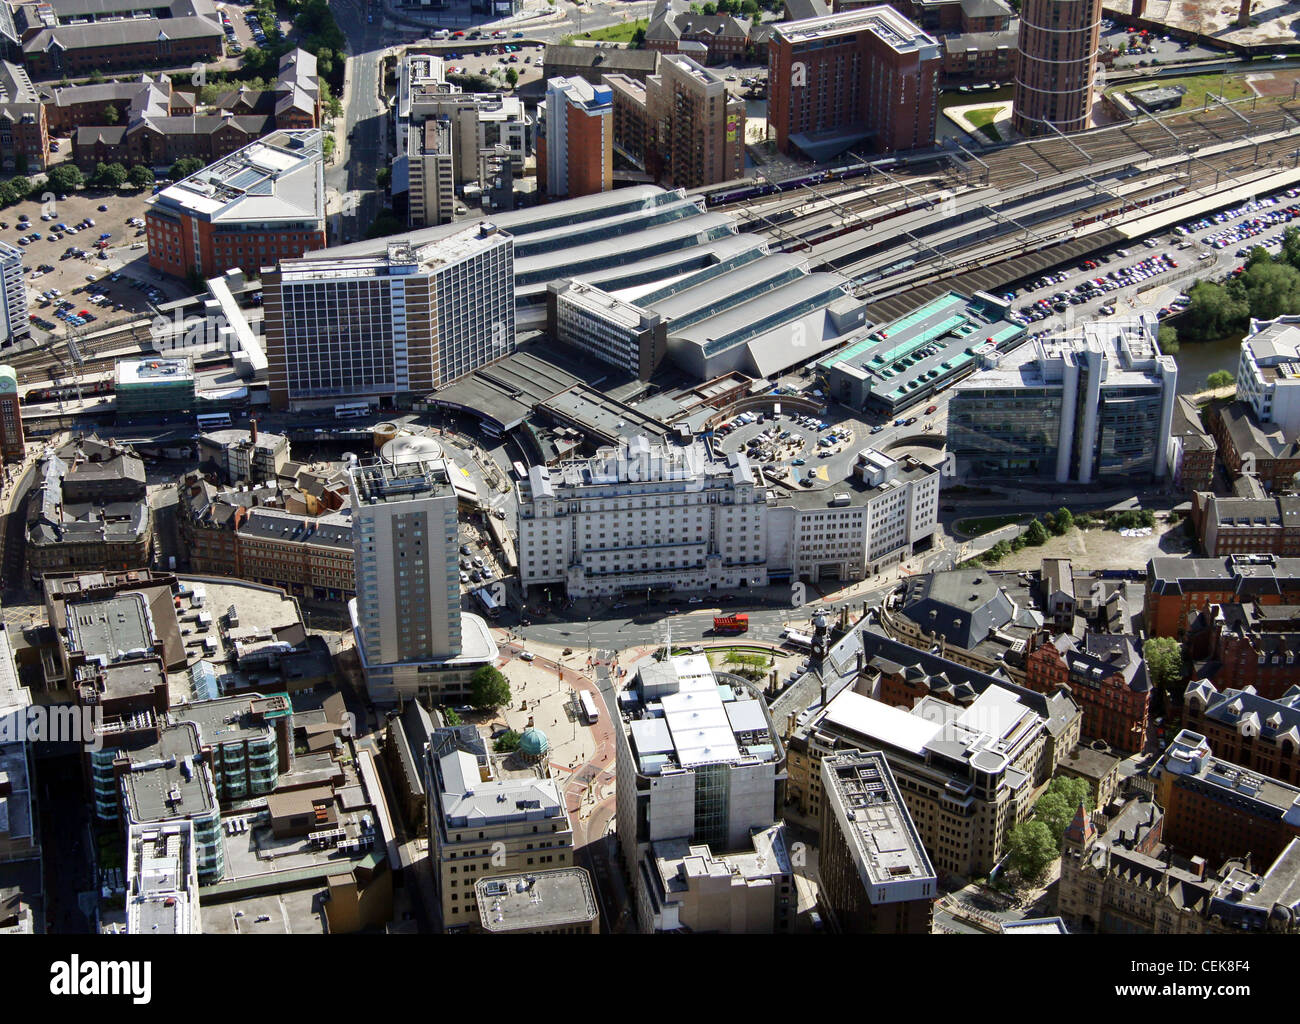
604	467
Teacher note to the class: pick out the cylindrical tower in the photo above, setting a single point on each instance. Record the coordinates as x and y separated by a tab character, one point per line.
1056	65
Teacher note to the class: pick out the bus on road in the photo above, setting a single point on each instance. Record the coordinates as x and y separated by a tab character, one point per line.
351	410
799	641
487	602
731	623
213	420
589	712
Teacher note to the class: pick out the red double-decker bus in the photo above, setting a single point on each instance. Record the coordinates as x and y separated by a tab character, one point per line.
731	623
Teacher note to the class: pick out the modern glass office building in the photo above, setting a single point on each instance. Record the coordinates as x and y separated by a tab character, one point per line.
1093	405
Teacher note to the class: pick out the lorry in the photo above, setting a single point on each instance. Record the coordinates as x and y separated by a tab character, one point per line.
738	623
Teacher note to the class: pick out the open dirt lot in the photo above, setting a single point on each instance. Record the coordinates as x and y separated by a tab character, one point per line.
1103	549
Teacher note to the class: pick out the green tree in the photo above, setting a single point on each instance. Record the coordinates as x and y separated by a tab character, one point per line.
384	224
1270	289
327	147
65	177
506	743
184	167
488	688
1220	379
1164	658
1291	247
1168	338
997	552
1036	535
112	115
110	175
141	176
96	76
1064	522
1030	849
710	9
512	77
1214	312
450	717
749	8
1059	803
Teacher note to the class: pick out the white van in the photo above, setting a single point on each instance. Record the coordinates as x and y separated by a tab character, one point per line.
442	33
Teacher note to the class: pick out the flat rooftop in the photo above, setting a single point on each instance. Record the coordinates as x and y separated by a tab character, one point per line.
153	371
276	178
163	897
536	901
1126	344
689	718
383	482
232	719
112	628
167	779
941	338
399	259
875	821
884	22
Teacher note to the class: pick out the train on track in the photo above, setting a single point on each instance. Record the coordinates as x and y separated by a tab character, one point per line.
68	392
726	196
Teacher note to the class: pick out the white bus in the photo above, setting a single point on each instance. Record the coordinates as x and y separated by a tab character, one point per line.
213	420
351	410
485	599
799	641
520	472
589	711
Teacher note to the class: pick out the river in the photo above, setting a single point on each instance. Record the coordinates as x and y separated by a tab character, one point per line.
1198	359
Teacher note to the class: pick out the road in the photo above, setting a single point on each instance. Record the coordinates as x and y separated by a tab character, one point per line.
363	146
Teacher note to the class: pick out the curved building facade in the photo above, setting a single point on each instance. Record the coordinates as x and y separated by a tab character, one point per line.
1057	64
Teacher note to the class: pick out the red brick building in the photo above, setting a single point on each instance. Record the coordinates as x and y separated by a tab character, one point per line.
76	105
1107	678
1273	459
575	154
24	128
161	141
1217	809
1179	588
1191	464
1238	526
1247	645
1058	54
260	205
979	57
1248	729
724	37
867	78
945	16
60	40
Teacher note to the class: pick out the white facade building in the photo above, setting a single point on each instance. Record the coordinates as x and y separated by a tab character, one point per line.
403	323
642	516
647	516
412	637
163	880
1268	373
13	294
696	761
